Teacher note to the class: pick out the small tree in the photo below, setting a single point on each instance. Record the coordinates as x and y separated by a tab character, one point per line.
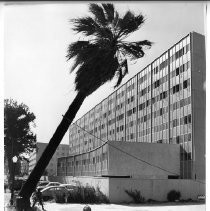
173	195
136	196
18	136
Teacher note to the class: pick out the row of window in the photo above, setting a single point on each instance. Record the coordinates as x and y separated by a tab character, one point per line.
180	53
87	161
178	87
182	121
180	69
182	138
174	57
181	103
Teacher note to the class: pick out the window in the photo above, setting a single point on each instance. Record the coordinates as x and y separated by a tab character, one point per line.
157	83
185	120
189	118
177	71
132	98
129	112
161	96
177	88
189	137
174	89
177	139
185	84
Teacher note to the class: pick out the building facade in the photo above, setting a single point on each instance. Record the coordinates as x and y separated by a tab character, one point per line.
51	169
164	103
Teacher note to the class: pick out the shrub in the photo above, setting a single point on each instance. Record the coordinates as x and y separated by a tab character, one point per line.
136	196
152	201
101	197
173	195
59	197
86	195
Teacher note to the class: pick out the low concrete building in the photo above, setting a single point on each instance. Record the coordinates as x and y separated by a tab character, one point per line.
124	159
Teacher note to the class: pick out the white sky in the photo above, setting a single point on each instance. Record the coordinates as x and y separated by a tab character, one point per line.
36	37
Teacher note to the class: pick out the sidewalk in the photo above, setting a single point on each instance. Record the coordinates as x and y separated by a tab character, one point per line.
118	207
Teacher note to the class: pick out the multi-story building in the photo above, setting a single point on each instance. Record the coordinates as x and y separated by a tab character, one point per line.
164	104
62	150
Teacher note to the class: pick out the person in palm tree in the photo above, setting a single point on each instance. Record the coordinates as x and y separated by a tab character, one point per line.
102	55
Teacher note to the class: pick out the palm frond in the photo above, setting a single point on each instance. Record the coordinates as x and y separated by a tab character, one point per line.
121	73
97	71
98	13
129	23
76	48
109	11
83	52
85	25
104	33
116	19
144	43
134	50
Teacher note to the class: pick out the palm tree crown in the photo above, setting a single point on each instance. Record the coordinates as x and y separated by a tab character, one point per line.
105	52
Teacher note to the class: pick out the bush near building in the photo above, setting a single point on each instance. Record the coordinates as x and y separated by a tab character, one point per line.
173	195
86	194
136	196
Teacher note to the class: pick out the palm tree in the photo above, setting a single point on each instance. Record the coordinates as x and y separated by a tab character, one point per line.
97	60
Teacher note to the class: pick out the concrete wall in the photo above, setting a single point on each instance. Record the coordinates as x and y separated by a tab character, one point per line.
153	189
164	156
157	189
198	105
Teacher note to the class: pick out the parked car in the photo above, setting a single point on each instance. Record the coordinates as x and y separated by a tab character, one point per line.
43	183
49	192
49	184
70	187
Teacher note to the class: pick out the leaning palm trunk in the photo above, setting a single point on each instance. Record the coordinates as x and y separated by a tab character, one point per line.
23	201
97	60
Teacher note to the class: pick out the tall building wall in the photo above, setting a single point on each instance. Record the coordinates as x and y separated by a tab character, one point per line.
198	105
161	104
